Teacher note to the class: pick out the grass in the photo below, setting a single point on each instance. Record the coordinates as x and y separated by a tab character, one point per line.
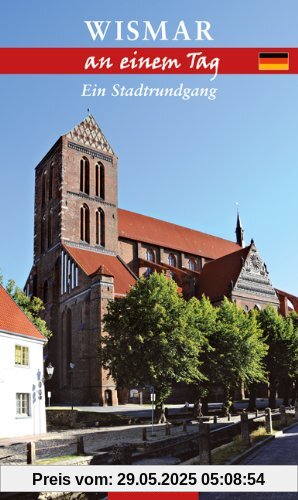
225	453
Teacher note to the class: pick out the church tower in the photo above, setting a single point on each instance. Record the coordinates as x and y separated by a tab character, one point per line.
75	247
76	192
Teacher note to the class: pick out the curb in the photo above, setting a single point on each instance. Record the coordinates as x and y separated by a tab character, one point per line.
246	453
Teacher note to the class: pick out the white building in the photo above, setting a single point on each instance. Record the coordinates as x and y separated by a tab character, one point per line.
21	372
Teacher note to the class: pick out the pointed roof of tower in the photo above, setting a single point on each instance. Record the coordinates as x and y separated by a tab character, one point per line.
89	134
239	224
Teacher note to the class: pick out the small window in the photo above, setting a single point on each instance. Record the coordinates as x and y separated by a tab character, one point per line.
22	401
191	265
21	355
150	255
172	260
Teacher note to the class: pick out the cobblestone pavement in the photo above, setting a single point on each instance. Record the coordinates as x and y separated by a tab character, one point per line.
94	440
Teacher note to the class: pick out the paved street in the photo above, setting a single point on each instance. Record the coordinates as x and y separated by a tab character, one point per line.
283	450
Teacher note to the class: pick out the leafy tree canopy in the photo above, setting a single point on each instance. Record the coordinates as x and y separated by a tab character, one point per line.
154	337
238	347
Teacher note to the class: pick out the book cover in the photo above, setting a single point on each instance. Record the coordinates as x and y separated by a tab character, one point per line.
151	140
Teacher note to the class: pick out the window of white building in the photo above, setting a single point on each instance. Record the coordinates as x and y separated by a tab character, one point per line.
22	404
21	355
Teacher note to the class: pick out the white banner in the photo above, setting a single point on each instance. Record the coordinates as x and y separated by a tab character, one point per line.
189	478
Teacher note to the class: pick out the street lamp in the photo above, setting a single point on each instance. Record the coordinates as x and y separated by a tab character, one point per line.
50	371
153	396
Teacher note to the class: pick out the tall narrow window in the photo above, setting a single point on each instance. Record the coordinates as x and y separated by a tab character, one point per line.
100	180
68	343
50	229
100	227
85	223
51	182
43	189
172	260
96	180
43	234
84	175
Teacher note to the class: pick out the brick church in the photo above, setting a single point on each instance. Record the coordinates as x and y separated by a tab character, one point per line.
87	252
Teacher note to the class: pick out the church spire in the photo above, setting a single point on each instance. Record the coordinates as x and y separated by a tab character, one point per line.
239	232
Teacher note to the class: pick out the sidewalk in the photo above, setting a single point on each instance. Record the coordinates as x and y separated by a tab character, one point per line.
283	450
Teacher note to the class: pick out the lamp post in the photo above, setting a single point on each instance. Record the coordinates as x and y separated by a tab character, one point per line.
153	397
72	367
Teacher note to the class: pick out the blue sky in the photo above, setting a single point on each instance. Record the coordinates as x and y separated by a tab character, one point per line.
187	162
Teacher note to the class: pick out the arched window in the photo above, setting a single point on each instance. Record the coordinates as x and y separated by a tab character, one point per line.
150	255
50	229
172	260
43	235
191	265
45	292
84	175
100	227
68	344
100	180
43	188
51	177
85	223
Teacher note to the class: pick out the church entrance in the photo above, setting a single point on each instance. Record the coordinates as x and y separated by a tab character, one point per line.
108	397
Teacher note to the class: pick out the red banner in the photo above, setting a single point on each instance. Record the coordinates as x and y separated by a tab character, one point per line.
155	495
141	61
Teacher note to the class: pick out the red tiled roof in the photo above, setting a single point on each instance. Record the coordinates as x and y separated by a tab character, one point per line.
14	320
139	227
217	275
92	262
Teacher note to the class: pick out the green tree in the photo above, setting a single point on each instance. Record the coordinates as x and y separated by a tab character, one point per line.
238	348
151	338
31	306
281	337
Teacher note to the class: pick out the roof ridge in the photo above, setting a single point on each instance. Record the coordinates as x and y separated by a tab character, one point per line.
178	225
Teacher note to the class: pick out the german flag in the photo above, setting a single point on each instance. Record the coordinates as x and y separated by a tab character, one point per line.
273	61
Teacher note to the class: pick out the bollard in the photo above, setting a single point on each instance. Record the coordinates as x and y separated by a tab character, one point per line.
80	445
283	416
257	412
168	429
229	417
184	427
296	411
268	420
144	434
204	444
215	419
31	454
245	429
